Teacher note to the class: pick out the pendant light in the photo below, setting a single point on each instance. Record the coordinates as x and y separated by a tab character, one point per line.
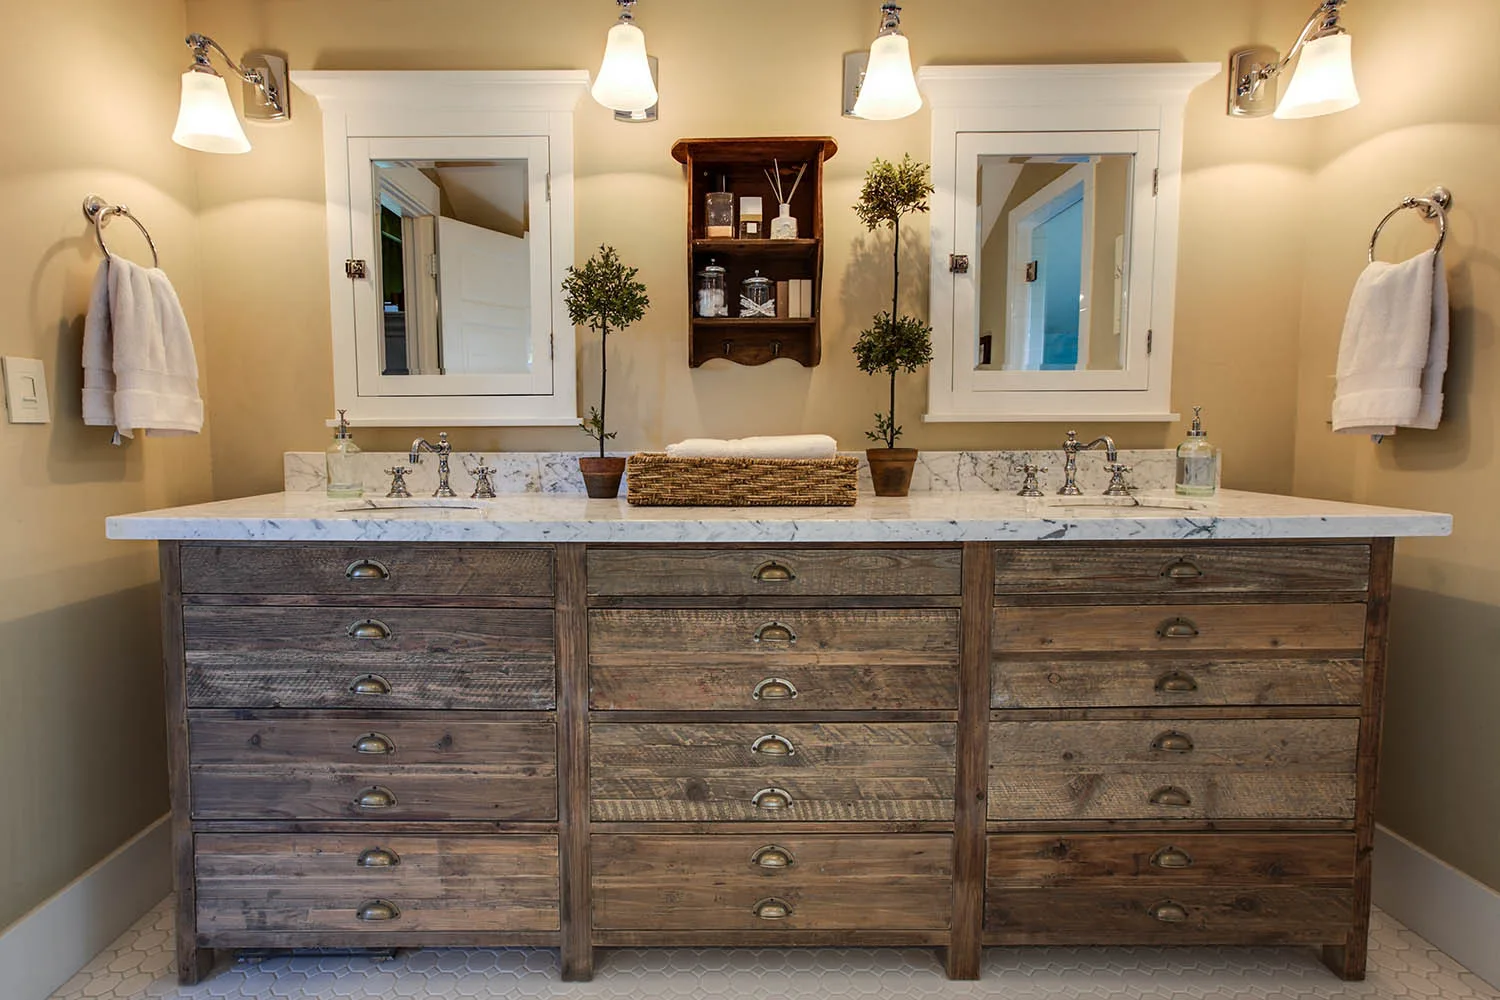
1322	84
624	82
206	119
889	89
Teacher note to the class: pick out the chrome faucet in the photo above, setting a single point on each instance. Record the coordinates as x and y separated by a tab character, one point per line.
443	450
1071	448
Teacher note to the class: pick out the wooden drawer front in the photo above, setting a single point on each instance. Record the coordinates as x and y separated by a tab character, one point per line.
728	883
773	687
1173	769
1120	570
527	683
1171	683
357	570
802	772
1170	860
313	882
1155	916
1327	628
371	768
717	572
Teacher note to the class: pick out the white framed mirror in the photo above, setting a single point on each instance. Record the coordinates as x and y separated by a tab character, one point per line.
1054	239
450	226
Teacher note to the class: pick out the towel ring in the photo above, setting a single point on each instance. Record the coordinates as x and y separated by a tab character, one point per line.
98	211
1433	206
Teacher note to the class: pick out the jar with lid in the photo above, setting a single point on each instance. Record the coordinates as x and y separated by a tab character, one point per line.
757	298
713	292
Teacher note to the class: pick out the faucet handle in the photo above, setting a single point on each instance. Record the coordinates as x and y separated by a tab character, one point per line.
1117	486
398	481
1029	486
484	486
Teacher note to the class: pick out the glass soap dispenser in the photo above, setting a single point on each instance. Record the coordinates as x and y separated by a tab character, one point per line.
343	476
1197	461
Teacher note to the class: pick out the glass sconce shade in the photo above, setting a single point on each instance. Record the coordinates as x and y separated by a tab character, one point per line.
1324	81
624	82
890	88
206	120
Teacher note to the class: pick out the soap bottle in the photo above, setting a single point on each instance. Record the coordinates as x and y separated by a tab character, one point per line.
343	475
1197	462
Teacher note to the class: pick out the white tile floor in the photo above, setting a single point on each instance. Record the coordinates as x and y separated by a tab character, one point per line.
1402	965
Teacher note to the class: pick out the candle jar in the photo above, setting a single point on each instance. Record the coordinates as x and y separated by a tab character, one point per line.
713	292
752	221
756	298
718	215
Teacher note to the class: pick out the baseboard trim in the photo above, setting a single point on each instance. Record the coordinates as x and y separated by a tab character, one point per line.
42	950
1455	912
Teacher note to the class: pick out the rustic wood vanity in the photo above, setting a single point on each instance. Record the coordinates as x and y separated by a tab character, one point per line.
1131	738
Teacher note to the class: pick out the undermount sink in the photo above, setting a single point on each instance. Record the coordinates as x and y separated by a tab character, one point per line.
410	503
1144	503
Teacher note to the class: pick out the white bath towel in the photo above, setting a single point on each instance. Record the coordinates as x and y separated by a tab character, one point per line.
140	372
1394	350
784	446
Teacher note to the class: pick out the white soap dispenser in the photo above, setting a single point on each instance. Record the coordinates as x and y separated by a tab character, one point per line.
1197	461
343	474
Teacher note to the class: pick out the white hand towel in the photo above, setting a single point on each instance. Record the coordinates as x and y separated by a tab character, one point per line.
784	446
1394	348
98	355
151	382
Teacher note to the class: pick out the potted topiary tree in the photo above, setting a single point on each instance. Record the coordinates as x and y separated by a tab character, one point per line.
604	296
893	343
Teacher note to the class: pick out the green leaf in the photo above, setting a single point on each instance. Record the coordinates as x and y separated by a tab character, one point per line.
888	347
603	294
892	190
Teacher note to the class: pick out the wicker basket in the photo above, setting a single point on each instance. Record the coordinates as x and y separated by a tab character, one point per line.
657	480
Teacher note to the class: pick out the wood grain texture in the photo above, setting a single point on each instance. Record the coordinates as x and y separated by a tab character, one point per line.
1272	628
1119	570
1171	682
268	740
323	568
844	937
1022	793
803	572
715	687
573	762
421	792
668	857
1169	860
529	905
962	957
525	682
838	771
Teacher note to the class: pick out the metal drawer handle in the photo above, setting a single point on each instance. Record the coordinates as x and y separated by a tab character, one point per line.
1168	912
772	858
773	799
1177	628
370	628
774	572
1176	682
772	908
1171	857
370	684
773	746
378	857
367	569
774	632
774	689
374	743
375	797
1173	742
377	910
1182	569
1171	795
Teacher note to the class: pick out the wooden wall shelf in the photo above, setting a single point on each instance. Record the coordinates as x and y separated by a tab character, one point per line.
741	165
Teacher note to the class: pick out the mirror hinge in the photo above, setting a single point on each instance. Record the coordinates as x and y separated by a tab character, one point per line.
549	187
432	265
355	268
1155	181
552	346
1150	335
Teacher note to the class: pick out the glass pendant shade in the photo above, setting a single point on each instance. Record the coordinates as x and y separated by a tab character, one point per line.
206	120
624	82
889	90
1324	81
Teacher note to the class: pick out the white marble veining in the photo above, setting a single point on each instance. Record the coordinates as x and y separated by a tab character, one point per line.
921	517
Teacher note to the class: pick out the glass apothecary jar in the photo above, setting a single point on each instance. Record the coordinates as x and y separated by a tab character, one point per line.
713	292
757	298
718	215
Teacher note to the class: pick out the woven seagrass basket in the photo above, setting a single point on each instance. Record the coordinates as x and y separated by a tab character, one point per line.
658	480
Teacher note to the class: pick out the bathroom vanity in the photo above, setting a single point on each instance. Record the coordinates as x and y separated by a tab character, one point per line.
950	720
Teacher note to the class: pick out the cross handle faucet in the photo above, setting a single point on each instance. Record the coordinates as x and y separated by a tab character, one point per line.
1071	447
443	450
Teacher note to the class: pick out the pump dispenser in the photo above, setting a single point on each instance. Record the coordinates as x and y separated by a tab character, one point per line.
1197	461
343	477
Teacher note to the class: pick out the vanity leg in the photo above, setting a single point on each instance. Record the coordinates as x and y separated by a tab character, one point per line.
194	965
573	762
1346	960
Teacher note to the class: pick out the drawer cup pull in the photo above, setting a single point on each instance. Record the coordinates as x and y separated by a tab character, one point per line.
1171	857
1170	795
774	689
375	797
367	569
774	572
772	799
1177	628
1182	569
773	745
772	858
377	910
772	908
1176	682
378	857
1172	743
774	632
374	743
370	628
1168	912
370	685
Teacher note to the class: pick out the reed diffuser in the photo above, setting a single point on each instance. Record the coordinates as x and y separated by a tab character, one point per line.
784	226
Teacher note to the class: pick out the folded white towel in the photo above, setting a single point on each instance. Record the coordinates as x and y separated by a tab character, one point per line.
1394	349
98	355
784	446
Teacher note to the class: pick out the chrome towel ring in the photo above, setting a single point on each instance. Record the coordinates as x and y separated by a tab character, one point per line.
1432	206
98	211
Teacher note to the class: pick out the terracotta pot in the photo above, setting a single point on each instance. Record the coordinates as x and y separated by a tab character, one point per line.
601	476
891	469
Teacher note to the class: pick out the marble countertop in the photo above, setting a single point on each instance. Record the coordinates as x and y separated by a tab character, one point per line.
922	517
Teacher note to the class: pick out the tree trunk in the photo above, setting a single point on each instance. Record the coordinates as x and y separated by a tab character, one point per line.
603	381
890	431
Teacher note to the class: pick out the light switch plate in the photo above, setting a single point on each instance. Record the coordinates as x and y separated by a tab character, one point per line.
26	391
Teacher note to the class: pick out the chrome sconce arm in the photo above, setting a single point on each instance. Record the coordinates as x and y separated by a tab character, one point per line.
264	74
1253	69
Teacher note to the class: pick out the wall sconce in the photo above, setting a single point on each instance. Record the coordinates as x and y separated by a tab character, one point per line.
880	85
206	120
1322	84
626	82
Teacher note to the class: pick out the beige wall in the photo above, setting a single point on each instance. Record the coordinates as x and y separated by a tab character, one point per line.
92	96
266	293
1430	115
